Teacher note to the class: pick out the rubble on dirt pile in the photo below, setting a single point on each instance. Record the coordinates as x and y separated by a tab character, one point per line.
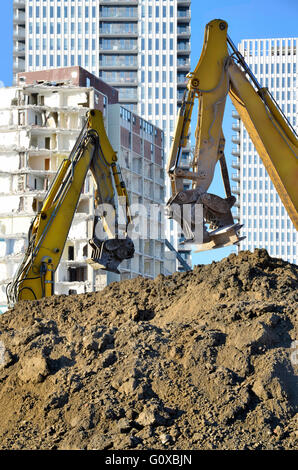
198	360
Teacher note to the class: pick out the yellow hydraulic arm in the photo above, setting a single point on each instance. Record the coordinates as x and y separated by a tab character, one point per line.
49	229
218	74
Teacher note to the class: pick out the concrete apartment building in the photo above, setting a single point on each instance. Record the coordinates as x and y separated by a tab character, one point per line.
40	119
266	223
140	47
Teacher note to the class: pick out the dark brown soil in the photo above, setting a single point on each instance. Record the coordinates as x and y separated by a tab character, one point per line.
198	360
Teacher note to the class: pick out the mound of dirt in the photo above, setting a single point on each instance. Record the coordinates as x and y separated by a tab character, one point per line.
198	360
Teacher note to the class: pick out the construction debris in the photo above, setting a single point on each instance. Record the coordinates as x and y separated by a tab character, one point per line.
199	360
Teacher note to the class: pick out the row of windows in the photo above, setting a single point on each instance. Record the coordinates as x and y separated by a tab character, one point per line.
262	197
267	184
284	224
275	68
272	235
165	28
145	125
64	61
277	82
165	76
157	61
53	12
165	12
157	107
158	43
268	46
255	237
263	210
67	44
164	92
56	28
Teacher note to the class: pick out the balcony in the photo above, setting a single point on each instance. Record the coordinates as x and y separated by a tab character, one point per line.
118	2
183	47
119	47
236	139
19	4
19	50
236	127
183	16
117	32
236	190
183	32
236	165
181	80
18	65
19	33
183	64
236	152
236	176
19	16
235	115
118	12
117	67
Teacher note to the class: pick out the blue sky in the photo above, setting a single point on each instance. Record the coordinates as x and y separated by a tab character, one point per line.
246	19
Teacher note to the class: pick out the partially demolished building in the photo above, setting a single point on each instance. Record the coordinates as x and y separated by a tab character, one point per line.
40	119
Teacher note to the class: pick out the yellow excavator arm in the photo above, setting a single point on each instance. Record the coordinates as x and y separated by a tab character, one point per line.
218	74
49	229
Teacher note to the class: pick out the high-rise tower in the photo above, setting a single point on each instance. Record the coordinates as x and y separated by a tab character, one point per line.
140	47
266	223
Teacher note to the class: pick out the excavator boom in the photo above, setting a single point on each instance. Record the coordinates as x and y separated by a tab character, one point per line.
217	75
49	229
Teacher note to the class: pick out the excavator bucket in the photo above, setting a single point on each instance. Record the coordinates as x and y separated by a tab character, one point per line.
108	254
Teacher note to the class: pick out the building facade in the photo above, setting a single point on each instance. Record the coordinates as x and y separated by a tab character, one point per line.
140	47
40	119
274	62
